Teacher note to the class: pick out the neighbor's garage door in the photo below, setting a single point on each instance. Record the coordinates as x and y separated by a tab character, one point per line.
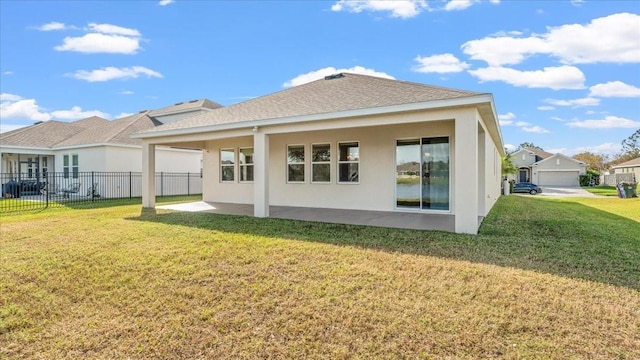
562	178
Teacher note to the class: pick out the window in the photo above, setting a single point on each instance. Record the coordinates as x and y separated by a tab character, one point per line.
295	163
227	164
30	168
75	165
246	164
65	166
320	163
349	162
45	167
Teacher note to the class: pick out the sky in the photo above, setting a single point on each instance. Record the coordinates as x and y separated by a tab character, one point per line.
565	75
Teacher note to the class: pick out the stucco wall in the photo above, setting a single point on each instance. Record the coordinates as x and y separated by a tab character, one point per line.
375	190
167	160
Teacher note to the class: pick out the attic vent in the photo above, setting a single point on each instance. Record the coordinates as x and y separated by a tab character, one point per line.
180	103
334	76
192	101
38	122
141	111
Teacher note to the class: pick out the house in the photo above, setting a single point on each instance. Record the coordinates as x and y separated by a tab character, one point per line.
631	167
546	169
95	144
349	148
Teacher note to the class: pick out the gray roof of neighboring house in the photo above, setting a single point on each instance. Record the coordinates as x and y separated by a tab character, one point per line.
94	130
185	106
631	163
543	154
342	93
49	133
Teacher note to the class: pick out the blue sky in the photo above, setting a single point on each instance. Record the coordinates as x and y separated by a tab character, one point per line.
565	75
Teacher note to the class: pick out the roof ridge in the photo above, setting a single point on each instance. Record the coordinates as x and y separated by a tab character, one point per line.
140	116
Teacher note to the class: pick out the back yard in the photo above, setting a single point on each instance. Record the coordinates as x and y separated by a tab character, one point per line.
544	279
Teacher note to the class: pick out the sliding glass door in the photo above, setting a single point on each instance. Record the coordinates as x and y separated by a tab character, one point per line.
422	173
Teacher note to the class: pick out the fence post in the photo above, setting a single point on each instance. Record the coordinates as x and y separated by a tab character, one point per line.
130	185
92	185
188	184
161	183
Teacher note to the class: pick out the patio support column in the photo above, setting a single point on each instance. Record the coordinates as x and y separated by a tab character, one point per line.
261	174
466	172
1	164
148	175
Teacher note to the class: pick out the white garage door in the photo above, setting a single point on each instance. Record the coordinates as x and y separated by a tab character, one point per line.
562	178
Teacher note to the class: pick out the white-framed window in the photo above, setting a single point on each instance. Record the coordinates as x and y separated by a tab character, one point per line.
75	165
349	162
65	166
227	165
320	163
30	168
245	160
295	163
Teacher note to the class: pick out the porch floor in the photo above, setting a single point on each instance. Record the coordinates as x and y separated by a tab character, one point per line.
405	220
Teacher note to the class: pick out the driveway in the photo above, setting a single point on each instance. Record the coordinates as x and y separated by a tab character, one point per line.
565	191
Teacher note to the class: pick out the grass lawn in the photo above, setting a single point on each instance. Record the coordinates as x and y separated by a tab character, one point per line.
546	278
606	190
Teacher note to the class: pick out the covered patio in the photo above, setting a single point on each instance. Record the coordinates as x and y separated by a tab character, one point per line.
416	221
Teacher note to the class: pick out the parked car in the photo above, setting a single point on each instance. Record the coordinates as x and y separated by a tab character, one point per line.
525	187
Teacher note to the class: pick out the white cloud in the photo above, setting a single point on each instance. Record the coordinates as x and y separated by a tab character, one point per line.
535	129
113	30
15	107
510	147
609	122
100	43
8	127
522	123
589	101
126	92
398	8
617	36
76	113
545	108
8	72
319	74
506	119
54	26
9	97
604	148
112	73
561	77
614	89
123	115
165	2
557	118
443	63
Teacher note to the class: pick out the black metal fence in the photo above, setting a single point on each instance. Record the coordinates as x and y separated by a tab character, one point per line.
20	192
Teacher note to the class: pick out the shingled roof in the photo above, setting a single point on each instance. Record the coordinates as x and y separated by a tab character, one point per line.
631	163
341	92
184	106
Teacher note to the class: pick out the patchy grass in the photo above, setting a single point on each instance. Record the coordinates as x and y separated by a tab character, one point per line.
544	279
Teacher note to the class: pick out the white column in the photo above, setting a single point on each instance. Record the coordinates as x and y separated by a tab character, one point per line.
261	174
148	175
466	173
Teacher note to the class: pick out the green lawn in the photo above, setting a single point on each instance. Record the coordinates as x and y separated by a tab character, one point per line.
606	190
544	279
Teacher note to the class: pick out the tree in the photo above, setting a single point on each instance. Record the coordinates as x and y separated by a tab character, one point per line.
507	166
594	161
631	145
528	145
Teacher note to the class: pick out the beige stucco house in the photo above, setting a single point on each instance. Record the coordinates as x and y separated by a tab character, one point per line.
629	167
546	169
386	152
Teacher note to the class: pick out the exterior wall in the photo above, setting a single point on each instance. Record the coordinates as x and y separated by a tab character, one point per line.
167	160
492	175
557	164
523	158
377	168
629	170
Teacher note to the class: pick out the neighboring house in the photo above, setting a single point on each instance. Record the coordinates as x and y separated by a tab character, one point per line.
403	154
95	144
629	167
546	169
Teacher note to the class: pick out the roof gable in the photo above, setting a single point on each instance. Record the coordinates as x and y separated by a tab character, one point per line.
558	155
631	163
